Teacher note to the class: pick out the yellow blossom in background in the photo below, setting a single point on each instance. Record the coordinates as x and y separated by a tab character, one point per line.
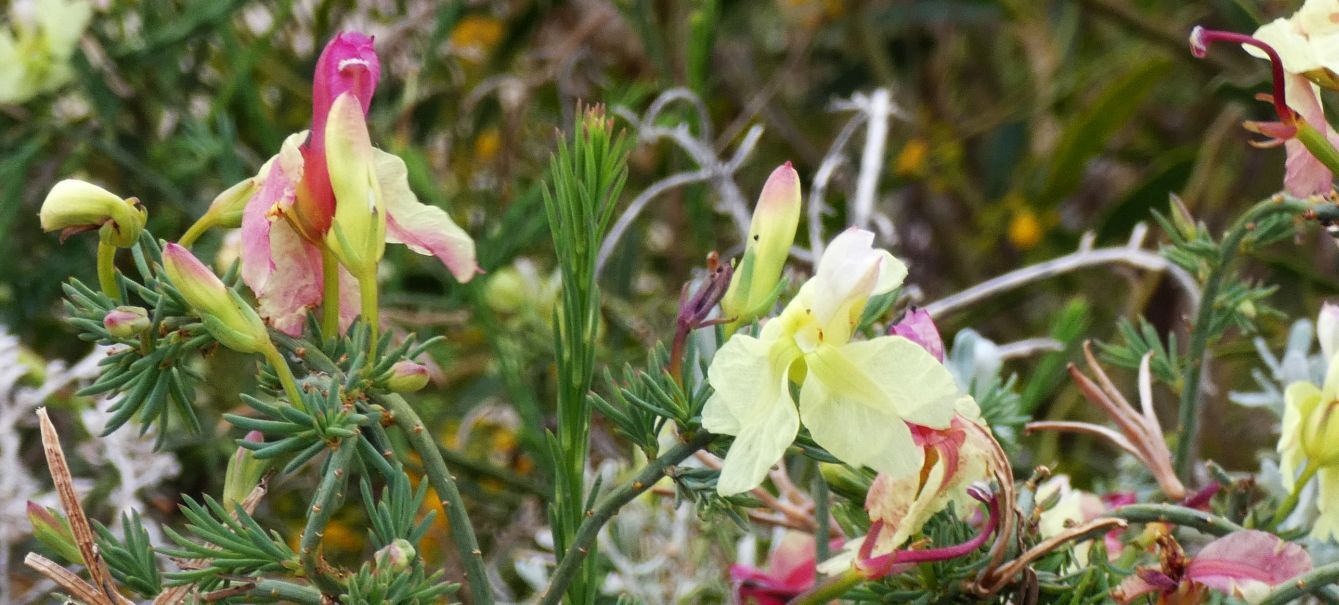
1025	230
487	145
910	162
474	36
35	49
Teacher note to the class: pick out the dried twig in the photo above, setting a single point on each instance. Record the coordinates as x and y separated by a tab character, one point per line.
65	578
74	513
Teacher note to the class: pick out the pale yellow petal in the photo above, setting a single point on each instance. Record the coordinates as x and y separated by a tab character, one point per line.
855	432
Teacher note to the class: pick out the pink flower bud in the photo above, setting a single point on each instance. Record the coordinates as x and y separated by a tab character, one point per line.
125	322
226	316
407	377
918	327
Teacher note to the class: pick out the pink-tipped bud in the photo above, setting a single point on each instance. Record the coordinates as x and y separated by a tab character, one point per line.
1199	47
397	555
918	327
244	472
753	287
225	315
407	377
126	322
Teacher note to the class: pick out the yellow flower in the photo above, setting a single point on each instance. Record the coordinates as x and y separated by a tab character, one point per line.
756	280
1310	439
35	51
855	397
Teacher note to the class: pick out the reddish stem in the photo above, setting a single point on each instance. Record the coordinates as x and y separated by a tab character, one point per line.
883	565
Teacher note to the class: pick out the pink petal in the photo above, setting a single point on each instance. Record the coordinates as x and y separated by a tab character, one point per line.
1133	587
423	228
1238	559
348	63
918	327
295	285
1304	174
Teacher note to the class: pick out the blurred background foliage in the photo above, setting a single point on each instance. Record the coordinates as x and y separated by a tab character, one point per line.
1024	124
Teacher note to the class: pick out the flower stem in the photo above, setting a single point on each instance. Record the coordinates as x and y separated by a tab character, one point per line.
462	532
203	224
1314	581
107	270
367	288
330	297
285	375
329	493
607	507
1286	507
1177	515
830	589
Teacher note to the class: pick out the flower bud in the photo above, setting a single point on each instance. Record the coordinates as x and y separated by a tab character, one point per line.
757	278
227	207
52	530
918	327
507	290
407	377
226	316
396	556
126	321
1327	330
357	235
74	206
244	472
844	480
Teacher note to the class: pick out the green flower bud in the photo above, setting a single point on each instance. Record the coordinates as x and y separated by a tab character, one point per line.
396	556
227	207
244	472
126	322
226	316
74	206
407	377
52	530
845	481
757	278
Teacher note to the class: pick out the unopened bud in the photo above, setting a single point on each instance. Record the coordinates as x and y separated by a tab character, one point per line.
507	290
754	286
918	327
396	556
125	321
244	472
74	206
357	235
52	530
407	377
227	207
845	481
1182	219
225	315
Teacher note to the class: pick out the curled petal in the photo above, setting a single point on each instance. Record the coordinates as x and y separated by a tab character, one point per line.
295	285
423	228
918	327
752	402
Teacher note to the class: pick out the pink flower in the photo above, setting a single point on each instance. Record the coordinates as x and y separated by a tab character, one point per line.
791	569
1245	564
285	224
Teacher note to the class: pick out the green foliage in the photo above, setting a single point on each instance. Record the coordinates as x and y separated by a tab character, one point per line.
131	559
379	585
395	515
325	420
230	543
645	399
1140	338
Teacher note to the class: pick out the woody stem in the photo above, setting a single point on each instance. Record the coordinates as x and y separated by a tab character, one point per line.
107	270
330	297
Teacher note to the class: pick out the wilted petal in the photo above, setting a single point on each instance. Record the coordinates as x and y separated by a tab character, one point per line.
279	179
423	228
295	284
790	571
1133	587
1305	175
1243	562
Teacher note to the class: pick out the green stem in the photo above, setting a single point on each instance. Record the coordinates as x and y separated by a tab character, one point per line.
107	270
330	298
1177	515
285	375
328	496
1200	332
608	506
462	532
205	223
1286	507
1314	581
830	589
367	288
287	592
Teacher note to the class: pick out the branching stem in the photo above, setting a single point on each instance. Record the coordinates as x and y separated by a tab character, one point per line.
328	496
